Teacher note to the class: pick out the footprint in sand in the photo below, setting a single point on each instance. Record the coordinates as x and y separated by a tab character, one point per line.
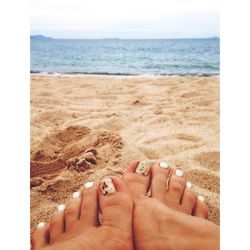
203	103
210	160
187	137
204	180
191	94
170	144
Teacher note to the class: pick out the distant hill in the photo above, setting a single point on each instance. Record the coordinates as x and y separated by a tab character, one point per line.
40	37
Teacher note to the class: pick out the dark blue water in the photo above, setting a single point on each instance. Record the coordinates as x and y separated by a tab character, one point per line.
127	57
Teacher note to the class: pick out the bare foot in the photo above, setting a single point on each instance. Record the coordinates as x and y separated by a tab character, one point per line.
77	226
174	217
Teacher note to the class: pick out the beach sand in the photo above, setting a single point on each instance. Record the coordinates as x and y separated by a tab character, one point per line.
105	122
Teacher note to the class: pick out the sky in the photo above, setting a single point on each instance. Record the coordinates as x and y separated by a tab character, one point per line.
125	18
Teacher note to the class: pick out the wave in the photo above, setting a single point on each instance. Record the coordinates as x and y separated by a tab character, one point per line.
119	74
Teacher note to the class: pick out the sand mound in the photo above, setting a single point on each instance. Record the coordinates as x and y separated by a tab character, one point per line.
74	147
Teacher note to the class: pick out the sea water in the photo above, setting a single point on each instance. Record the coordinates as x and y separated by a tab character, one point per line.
126	56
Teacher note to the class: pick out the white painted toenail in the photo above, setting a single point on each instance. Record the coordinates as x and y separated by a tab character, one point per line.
143	168
163	164
201	198
189	184
41	224
107	186
179	173
76	195
88	185
61	207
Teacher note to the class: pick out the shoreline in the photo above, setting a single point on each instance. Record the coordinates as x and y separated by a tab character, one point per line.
55	74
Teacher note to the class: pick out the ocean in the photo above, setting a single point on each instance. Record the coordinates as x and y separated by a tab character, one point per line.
126	56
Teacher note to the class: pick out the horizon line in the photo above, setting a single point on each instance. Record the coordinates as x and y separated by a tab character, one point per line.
119	38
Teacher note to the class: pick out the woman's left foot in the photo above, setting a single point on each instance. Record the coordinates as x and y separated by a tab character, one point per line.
76	226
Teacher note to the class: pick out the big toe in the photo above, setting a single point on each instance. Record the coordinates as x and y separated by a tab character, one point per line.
115	204
137	177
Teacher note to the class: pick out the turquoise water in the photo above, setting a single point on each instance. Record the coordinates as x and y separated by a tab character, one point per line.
126	57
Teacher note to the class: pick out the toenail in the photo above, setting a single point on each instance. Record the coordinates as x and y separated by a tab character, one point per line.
189	184
163	164
201	198
76	195
88	185
179	173
107	186
61	207
143	168
41	224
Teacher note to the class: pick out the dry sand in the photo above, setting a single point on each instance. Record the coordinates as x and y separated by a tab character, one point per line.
107	122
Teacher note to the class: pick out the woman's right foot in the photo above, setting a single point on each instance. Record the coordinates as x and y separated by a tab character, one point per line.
173	217
77	228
